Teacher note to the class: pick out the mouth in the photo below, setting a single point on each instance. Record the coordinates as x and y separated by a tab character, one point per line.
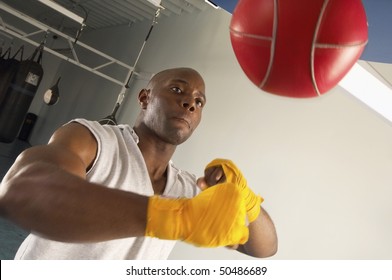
182	120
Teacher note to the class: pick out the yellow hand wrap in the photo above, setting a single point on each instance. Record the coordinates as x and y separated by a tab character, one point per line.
234	175
215	217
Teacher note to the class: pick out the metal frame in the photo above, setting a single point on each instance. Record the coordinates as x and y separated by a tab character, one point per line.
42	28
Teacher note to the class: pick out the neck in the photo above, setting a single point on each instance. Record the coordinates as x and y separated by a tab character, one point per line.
156	154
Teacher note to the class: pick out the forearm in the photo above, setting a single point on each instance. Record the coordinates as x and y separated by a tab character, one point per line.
263	240
61	206
262	235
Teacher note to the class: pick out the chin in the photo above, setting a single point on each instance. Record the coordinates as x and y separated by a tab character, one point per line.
178	138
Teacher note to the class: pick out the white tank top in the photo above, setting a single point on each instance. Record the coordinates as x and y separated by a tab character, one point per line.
119	164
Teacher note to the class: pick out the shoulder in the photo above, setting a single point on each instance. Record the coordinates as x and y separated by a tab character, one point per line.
93	127
71	133
88	131
76	138
102	133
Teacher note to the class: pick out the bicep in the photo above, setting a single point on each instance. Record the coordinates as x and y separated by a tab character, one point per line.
75	142
72	148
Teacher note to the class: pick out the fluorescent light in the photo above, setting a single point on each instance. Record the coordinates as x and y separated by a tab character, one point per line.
368	89
62	10
212	4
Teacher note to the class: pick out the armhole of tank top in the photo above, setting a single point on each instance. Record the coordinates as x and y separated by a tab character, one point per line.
92	130
98	152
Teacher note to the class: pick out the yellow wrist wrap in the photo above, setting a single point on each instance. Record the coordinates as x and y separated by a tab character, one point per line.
215	217
234	175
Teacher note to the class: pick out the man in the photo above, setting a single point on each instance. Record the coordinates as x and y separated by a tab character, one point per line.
112	192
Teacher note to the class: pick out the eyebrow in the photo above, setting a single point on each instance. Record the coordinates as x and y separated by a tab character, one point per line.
182	81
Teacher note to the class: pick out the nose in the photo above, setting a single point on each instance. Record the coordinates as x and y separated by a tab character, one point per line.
189	105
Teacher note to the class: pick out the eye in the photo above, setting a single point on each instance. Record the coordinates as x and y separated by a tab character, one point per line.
176	89
199	103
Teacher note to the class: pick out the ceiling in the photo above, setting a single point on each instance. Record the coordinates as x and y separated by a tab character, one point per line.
99	14
32	21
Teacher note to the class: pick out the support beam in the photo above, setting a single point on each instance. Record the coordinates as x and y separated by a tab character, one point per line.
9	29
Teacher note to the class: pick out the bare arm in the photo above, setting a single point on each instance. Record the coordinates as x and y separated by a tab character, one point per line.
45	191
263	241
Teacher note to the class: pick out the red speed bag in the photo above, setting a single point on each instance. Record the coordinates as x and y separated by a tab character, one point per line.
298	48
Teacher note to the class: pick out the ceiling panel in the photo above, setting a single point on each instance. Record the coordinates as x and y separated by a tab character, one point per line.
100	14
32	21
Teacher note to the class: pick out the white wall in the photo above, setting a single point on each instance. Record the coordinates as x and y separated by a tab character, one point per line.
322	165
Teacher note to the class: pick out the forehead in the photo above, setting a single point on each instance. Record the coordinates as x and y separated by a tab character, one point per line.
182	75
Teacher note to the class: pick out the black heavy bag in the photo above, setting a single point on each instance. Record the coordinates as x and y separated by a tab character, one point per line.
19	96
8	68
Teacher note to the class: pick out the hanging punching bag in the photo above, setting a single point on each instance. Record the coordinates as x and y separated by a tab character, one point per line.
8	68
19	96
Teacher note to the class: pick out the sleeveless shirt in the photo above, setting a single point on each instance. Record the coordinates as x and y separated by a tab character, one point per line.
118	164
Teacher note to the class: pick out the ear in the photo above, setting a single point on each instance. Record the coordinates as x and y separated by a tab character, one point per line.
143	98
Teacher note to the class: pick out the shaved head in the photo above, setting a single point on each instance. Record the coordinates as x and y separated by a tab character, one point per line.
169	73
